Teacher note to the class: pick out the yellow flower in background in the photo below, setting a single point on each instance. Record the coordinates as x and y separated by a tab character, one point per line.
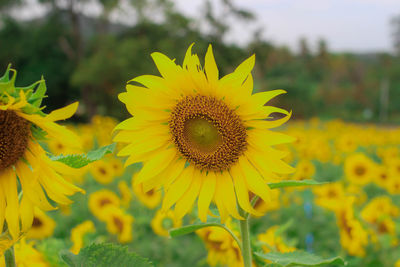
262	207
329	195
394	186
100	200
23	161
151	199
116	166
346	143
119	223
382	177
102	171
164	221
304	170
353	237
42	226
378	209
359	169
78	233
397	264
26	256
222	248
272	242
201	137
126	194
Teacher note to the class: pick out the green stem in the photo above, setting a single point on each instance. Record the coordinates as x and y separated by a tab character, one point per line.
245	233
9	257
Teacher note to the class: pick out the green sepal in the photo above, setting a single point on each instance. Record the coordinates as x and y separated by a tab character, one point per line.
298	258
104	255
291	183
81	160
34	93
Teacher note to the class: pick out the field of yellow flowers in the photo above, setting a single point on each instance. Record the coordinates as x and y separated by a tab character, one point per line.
355	215
196	177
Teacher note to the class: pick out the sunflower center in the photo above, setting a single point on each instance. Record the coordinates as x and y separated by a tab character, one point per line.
14	134
207	132
360	170
36	222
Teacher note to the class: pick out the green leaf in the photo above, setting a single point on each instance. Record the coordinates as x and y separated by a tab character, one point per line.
298	258
104	255
81	160
294	183
187	229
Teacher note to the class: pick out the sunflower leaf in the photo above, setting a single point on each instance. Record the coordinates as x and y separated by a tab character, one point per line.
298	258
81	160
187	229
104	255
291	183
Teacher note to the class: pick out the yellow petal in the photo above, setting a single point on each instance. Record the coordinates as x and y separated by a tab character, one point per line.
8	182
224	181
185	203
210	67
155	165
178	188
63	113
206	195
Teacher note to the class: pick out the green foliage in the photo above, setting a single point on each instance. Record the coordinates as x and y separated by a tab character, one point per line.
292	183
81	160
298	258
104	255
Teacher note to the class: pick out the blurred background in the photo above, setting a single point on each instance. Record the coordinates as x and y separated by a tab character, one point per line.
336	59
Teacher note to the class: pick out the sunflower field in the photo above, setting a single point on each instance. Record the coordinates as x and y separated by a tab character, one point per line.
201	173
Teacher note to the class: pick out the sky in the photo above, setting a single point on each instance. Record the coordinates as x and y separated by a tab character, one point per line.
346	25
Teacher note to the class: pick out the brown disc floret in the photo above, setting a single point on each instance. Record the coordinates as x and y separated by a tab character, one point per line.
14	135
207	132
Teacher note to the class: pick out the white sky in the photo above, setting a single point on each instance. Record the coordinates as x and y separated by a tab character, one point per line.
347	25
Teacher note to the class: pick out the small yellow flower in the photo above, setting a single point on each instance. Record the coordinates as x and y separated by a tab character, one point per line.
272	242
78	233
359	169
26	256
304	170
151	199
101	199
102	171
119	223
42	226
222	248
126	194
329	195
164	221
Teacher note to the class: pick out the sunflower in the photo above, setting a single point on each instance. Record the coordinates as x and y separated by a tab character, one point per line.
222	248
304	170
272	241
163	222
101	199
201	137
119	223
78	233
42	226
329	195
151	198
102	171
125	192
27	256
22	159
359	169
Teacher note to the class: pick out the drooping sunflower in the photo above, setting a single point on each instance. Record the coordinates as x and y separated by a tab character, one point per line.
22	159
201	137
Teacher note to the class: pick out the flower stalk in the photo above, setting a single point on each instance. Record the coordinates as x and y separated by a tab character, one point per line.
10	257
245	234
